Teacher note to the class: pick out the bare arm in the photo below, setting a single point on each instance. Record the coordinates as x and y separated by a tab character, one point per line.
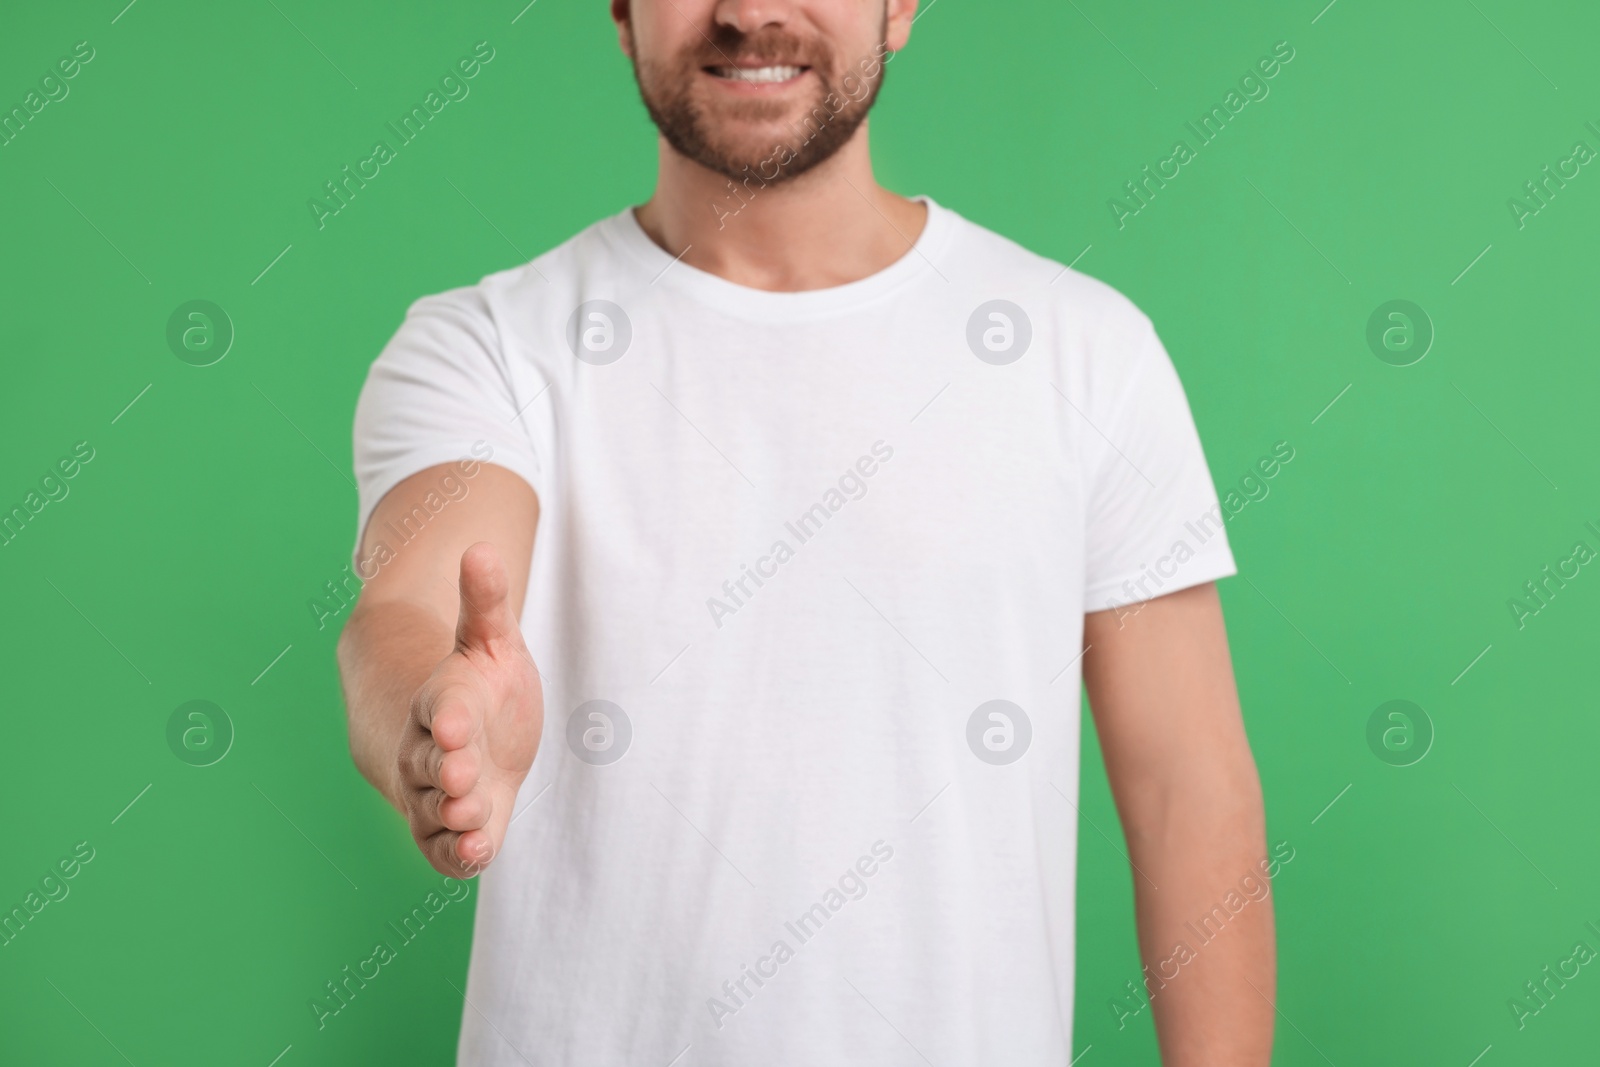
442	698
1161	688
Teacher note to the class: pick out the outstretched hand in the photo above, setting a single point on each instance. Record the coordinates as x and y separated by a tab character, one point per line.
474	728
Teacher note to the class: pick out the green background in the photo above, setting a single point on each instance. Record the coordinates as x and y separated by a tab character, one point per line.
1378	568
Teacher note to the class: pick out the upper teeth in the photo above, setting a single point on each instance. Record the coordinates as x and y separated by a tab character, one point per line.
759	74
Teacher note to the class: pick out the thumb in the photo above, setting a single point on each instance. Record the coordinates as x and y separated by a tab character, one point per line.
486	620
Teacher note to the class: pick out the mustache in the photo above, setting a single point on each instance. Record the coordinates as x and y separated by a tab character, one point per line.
728	46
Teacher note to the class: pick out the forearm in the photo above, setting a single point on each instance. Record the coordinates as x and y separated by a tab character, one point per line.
1205	921
387	650
1161	687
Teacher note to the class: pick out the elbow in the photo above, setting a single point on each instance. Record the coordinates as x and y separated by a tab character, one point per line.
1212	798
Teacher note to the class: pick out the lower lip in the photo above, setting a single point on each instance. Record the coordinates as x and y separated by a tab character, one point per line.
745	88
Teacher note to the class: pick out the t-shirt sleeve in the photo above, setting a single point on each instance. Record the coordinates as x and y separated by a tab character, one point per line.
440	392
1154	525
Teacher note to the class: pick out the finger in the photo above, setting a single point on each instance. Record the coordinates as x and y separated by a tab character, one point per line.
442	849
420	762
471	812
423	783
450	714
457	854
475	850
458	771
486	619
422	809
437	818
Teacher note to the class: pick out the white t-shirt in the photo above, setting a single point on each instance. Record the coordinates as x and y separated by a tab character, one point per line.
807	596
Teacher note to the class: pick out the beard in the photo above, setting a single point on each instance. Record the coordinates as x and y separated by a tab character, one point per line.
811	131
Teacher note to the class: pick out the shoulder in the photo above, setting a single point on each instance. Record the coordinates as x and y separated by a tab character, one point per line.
1078	306
539	288
1098	347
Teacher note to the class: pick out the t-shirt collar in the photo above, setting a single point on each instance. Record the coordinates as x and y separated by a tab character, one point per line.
919	262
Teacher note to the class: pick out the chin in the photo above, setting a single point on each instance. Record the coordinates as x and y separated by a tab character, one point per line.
754	120
752	143
754	147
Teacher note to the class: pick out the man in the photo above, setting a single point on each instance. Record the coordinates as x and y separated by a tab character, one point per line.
732	566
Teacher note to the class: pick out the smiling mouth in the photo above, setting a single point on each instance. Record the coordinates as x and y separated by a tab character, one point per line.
772	75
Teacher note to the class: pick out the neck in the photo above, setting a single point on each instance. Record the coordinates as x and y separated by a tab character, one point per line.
830	226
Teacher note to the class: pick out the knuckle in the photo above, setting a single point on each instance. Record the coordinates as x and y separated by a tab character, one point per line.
432	763
424	812
414	760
